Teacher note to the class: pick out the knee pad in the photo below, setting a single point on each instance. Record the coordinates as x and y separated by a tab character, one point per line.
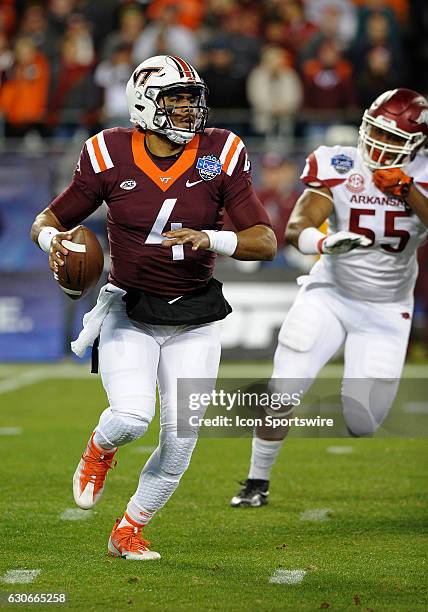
117	429
301	328
366	403
286	394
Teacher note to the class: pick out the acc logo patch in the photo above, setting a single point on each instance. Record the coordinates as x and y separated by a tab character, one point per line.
355	183
209	167
128	184
342	163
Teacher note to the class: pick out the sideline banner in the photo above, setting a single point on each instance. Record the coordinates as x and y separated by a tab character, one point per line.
24	191
32	318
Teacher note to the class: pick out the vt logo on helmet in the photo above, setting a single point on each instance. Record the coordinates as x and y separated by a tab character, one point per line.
393	129
166	95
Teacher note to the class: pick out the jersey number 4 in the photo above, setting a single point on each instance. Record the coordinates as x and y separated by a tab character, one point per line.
390	230
155	236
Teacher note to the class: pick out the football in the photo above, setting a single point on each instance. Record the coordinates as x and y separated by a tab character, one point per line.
83	265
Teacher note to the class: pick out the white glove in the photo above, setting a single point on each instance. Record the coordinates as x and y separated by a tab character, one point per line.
342	242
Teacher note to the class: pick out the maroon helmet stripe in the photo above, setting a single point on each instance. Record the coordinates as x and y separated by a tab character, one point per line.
188	70
178	66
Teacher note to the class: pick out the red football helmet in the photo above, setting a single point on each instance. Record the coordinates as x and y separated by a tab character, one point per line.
400	119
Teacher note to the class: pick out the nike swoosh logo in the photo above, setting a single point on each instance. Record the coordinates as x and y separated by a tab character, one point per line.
189	184
175	299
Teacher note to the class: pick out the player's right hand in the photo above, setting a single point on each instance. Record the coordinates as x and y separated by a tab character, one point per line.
342	242
57	250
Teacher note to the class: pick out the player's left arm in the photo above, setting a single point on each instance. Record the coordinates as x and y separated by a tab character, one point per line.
393	181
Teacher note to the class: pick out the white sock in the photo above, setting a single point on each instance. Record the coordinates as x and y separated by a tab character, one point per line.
125	523
263	456
136	514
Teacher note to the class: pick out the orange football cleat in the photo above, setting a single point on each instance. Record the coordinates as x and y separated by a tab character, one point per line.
90	475
128	542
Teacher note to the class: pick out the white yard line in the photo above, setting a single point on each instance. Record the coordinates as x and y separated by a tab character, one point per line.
20	576
38	374
281	576
316	514
21	380
340	450
416	407
10	431
16	377
75	514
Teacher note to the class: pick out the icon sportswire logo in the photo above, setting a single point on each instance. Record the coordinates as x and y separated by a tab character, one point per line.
191	184
128	184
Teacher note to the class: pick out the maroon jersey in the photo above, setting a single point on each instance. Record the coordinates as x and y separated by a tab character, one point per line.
147	195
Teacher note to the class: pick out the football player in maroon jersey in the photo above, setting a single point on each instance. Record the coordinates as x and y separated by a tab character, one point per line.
167	183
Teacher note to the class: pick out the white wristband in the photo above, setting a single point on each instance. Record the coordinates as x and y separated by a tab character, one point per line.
45	237
310	241
223	243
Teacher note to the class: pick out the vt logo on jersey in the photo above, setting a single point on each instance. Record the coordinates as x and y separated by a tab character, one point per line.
209	167
342	163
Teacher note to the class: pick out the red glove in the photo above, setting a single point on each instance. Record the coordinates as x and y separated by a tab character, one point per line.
393	181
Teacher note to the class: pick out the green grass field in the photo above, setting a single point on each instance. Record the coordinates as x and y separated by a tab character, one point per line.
369	553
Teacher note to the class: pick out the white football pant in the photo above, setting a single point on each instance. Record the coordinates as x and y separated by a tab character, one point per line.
375	337
133	357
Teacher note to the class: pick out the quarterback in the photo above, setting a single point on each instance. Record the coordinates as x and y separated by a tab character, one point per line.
359	294
167	183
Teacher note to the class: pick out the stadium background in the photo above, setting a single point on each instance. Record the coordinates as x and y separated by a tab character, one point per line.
286	75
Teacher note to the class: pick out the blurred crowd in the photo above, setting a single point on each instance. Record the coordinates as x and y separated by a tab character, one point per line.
279	64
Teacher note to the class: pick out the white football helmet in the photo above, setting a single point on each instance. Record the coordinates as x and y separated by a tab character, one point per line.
160	76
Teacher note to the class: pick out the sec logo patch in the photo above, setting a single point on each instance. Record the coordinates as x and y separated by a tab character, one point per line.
355	183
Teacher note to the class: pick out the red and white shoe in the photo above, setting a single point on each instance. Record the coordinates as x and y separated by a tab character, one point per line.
128	542
90	475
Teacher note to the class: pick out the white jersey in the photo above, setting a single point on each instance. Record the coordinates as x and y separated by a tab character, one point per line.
386	271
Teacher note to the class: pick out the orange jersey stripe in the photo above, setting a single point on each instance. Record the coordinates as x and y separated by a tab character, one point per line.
98	154
231	152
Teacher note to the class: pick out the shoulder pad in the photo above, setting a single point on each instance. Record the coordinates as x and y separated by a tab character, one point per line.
327	165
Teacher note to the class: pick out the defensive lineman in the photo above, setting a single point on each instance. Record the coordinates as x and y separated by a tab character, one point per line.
360	292
167	183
